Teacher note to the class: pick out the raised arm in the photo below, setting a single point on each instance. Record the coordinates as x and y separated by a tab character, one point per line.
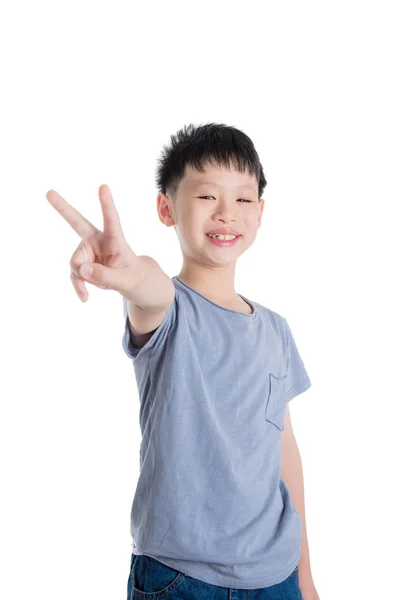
114	265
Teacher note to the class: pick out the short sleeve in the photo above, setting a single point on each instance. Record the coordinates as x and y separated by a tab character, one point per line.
156	341
297	379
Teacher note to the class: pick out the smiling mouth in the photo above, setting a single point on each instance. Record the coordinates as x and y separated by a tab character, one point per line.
217	236
217	241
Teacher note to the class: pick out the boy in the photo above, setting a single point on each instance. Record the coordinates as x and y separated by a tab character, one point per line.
211	516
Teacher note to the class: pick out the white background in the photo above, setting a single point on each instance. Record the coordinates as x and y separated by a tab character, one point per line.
90	94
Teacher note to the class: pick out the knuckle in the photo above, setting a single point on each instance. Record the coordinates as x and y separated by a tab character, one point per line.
73	262
75	271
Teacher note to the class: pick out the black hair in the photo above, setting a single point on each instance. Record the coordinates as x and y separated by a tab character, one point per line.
213	143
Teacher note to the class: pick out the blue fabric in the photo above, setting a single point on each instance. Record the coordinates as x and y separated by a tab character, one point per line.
150	579
213	386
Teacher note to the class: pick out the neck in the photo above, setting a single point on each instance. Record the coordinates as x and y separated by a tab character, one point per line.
218	283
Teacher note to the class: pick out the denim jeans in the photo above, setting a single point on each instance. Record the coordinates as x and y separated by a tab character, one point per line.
150	579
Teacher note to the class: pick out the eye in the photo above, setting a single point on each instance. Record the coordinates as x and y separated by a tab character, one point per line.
245	199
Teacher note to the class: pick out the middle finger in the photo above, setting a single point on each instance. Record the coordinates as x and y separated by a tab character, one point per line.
82	226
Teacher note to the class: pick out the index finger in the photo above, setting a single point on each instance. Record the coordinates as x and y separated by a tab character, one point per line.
82	226
112	223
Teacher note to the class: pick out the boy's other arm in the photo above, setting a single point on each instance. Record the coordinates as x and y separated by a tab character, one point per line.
292	475
145	319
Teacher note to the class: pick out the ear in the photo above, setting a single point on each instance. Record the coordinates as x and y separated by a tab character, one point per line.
260	211
164	209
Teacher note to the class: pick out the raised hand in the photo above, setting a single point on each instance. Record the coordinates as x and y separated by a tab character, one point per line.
115	266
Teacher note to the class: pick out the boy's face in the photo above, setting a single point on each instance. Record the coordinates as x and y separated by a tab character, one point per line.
215	199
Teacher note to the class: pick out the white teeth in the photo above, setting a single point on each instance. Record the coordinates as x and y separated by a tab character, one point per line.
220	236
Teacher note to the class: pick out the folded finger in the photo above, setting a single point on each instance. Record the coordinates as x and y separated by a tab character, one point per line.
79	286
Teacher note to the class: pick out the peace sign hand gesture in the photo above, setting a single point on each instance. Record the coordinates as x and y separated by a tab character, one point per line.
114	264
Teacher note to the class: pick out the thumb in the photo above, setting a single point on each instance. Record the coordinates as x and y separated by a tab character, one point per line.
86	271
104	277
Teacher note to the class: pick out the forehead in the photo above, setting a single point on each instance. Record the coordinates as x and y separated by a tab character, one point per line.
219	177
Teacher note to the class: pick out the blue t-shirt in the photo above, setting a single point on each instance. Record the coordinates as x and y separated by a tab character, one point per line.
213	384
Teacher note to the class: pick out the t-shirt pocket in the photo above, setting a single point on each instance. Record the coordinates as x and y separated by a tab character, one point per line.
275	408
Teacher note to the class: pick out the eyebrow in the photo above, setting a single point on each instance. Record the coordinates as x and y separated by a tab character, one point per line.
199	183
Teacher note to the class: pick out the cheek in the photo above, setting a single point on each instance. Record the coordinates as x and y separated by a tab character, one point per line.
191	229
250	222
195	221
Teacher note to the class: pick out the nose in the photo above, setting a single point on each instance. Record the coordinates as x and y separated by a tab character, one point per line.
225	212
